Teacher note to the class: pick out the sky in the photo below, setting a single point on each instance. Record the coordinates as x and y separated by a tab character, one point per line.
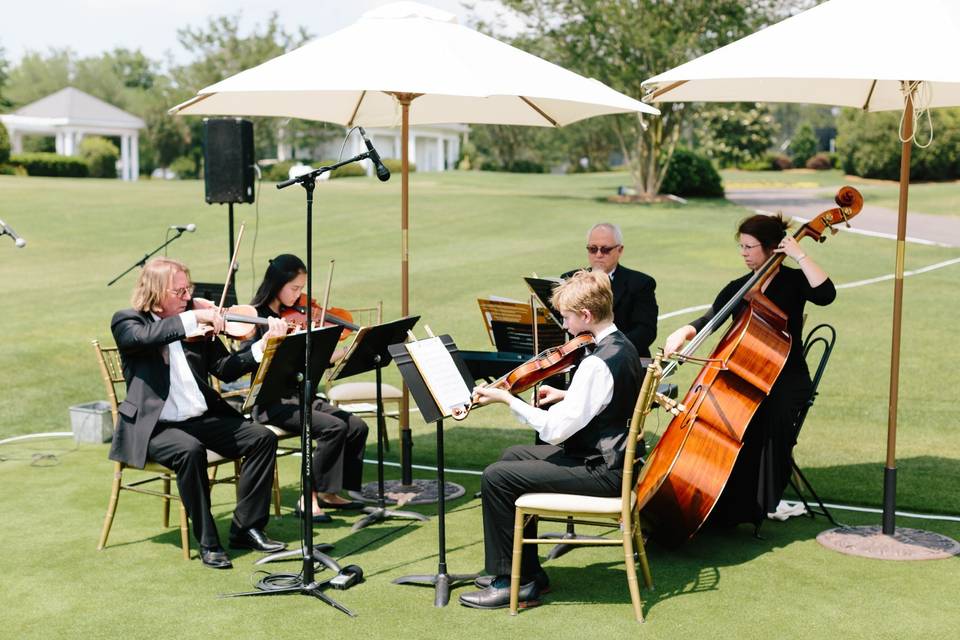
91	27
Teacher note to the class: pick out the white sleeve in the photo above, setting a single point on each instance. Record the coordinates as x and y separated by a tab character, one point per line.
189	320
590	392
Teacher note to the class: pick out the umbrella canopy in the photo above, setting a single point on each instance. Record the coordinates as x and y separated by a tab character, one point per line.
851	53
858	53
406	63
460	75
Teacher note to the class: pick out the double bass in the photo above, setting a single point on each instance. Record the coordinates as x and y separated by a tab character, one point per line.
688	468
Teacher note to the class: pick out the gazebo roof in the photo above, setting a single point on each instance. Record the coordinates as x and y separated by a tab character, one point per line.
79	108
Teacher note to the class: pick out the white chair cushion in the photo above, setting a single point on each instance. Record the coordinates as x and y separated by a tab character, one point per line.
281	433
571	502
354	391
213	456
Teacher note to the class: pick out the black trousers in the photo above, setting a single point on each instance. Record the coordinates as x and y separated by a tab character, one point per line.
181	446
529	469
340	439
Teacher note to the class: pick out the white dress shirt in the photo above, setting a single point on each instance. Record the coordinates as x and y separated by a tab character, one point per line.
590	391
185	400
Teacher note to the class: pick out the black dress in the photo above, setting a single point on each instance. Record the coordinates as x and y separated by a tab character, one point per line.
762	469
340	436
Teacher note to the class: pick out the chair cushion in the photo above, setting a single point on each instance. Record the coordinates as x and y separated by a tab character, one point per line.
571	502
354	391
281	433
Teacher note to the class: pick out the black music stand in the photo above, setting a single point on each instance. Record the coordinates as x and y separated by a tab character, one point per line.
442	581
369	352
543	289
286	363
213	291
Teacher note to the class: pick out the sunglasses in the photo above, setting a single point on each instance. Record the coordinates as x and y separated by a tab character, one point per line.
592	248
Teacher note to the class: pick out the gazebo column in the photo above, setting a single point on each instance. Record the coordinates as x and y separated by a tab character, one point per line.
441	158
17	142
58	144
412	150
135	156
125	157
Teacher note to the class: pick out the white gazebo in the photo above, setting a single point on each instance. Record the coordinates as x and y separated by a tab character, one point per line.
71	114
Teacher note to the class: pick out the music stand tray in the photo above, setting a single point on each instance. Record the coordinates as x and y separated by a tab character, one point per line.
442	580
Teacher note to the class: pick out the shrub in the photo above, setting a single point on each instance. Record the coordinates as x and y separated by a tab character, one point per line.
820	162
279	171
4	145
12	170
185	167
692	175
50	164
396	165
524	166
101	156
803	145
779	161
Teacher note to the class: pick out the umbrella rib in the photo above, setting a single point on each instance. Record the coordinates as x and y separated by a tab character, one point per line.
670	87
356	108
866	105
540	111
189	103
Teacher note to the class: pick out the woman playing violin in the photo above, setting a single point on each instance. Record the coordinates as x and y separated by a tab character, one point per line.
585	426
340	436
763	466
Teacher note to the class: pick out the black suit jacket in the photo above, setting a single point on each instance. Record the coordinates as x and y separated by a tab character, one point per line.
140	340
634	307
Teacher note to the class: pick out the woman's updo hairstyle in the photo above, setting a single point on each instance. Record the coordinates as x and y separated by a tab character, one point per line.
769	230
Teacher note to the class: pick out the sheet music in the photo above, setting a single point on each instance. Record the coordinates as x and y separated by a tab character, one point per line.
342	362
268	351
441	375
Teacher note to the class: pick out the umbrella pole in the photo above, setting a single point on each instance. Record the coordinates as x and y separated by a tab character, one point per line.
406	441
890	469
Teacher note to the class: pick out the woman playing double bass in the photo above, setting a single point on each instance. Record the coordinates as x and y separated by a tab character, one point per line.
763	465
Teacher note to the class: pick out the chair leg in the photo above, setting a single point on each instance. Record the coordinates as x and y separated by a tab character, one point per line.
184	532
631	566
166	501
641	550
276	490
515	562
111	505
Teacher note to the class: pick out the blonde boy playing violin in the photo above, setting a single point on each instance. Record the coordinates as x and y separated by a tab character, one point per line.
586	431
172	416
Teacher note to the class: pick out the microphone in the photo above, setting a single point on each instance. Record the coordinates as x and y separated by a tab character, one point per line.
184	227
17	240
382	172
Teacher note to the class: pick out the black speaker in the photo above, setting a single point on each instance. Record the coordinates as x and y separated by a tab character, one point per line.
228	174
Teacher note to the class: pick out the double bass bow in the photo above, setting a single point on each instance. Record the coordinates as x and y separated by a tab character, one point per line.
688	468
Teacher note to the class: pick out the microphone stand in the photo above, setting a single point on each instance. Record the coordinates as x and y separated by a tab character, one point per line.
144	259
305	583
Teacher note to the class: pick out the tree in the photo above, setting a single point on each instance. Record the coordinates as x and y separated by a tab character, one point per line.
623	42
38	75
4	77
735	134
803	145
221	51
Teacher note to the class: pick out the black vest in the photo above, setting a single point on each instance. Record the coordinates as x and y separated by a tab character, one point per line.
606	435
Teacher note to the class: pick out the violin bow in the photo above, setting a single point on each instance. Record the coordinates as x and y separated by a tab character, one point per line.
326	294
230	269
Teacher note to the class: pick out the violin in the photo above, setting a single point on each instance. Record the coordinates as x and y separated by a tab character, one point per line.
241	324
546	364
334	317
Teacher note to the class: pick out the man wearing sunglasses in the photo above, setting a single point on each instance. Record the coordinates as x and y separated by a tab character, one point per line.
634	299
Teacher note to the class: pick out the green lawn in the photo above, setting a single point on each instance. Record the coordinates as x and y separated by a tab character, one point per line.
472	234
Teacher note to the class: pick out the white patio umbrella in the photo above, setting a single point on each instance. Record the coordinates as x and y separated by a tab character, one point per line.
876	56
406	63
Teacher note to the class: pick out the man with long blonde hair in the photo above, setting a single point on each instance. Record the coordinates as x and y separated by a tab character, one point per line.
171	415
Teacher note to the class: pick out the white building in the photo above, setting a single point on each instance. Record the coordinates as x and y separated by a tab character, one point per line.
431	147
70	114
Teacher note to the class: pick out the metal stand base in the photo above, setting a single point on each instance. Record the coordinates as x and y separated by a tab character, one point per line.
441	583
314	589
300	554
379	514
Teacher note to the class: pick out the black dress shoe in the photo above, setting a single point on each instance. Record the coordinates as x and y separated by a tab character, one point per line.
353	505
255	539
498	597
215	558
319	518
540	578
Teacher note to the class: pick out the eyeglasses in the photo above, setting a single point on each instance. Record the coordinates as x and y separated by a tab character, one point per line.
182	291
592	248
748	247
